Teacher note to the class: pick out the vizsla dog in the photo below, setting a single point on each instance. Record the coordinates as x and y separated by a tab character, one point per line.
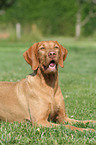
38	97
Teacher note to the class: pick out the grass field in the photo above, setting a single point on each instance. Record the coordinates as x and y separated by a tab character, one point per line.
78	84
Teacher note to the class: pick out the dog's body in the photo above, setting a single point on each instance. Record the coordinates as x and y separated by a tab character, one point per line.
37	98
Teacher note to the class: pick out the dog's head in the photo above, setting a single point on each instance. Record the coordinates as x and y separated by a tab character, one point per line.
46	55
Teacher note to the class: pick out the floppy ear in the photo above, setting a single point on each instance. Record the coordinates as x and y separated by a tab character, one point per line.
31	56
63	54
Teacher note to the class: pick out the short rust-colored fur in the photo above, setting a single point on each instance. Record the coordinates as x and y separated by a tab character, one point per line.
38	97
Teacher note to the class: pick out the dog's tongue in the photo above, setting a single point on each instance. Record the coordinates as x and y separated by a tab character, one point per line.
52	64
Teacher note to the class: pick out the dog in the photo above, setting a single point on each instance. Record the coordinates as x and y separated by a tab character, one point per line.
38	97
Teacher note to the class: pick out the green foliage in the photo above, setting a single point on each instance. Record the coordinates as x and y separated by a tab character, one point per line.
52	16
89	28
28	33
78	84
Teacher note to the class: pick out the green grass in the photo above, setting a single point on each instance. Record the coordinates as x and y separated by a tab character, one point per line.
78	84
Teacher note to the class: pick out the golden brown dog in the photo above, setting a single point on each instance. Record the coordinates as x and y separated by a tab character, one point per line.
38	97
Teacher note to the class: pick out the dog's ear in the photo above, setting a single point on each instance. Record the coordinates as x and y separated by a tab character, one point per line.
63	54
31	56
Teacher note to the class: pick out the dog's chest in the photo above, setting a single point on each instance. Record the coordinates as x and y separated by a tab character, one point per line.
53	113
54	108
44	96
47	99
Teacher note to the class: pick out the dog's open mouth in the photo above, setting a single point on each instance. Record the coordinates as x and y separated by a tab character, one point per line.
51	67
52	64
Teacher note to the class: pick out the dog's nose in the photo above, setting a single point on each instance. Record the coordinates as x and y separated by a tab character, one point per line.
52	54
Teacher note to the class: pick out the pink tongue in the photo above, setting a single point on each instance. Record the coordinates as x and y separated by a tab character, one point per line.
52	64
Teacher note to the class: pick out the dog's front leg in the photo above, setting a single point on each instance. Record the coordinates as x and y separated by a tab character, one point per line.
62	118
67	119
45	123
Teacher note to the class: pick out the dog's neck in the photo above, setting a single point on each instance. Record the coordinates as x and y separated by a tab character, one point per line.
50	80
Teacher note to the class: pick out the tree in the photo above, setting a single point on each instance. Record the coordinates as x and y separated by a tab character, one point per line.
90	5
4	4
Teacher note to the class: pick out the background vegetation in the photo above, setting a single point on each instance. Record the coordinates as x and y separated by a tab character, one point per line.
52	17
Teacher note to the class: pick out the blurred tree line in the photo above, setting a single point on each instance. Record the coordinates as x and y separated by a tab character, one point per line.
54	16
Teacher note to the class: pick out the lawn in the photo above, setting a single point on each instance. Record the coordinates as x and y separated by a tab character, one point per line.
78	84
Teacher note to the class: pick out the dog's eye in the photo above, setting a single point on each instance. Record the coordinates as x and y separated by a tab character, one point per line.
56	47
42	48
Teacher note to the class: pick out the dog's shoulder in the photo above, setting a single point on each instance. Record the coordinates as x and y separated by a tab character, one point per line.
31	81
